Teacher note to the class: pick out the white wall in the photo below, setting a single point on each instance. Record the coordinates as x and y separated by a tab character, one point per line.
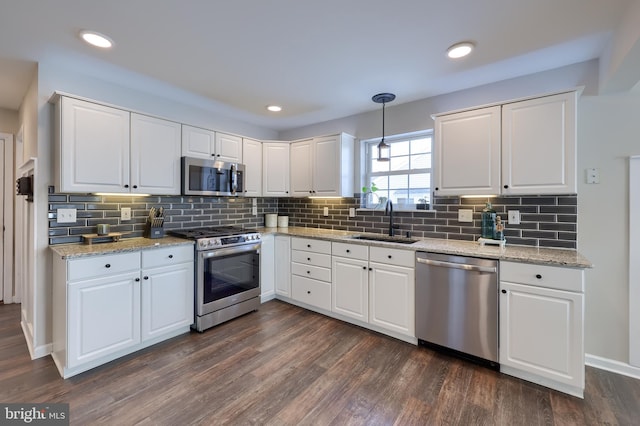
8	121
608	133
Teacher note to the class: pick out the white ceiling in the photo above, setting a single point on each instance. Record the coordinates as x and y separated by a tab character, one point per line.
320	59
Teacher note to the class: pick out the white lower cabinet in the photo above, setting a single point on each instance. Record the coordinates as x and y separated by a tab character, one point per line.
107	306
391	298
104	317
541	325
350	295
311	272
282	265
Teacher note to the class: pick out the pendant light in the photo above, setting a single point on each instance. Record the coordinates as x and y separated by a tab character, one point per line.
384	150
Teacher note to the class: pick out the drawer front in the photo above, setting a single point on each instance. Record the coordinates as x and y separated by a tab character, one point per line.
351	251
167	256
311	292
309	271
392	256
309	244
308	258
553	277
101	266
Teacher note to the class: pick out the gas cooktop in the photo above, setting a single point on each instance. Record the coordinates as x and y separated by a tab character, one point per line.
218	236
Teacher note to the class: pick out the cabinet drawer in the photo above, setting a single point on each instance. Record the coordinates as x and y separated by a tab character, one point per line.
100	266
554	277
310	271
167	256
309	258
351	251
312	292
392	256
309	244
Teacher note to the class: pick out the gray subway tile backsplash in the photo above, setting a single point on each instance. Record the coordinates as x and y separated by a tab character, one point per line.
546	221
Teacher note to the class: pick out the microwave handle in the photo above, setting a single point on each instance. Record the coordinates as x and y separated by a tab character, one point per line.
234	179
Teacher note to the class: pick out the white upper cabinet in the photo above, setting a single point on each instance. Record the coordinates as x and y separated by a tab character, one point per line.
92	147
197	142
302	168
106	149
155	155
228	148
539	146
518	148
203	143
252	159
467	153
323	167
275	169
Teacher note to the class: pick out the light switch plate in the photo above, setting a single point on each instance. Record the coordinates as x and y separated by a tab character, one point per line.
125	213
465	215
67	216
352	212
325	211
514	217
593	175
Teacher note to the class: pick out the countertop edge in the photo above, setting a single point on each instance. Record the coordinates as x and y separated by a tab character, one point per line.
77	250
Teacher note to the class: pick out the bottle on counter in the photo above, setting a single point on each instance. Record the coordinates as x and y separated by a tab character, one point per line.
499	229
488	222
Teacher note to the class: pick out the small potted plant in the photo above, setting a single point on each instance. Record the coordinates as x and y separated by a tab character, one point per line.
369	197
422	204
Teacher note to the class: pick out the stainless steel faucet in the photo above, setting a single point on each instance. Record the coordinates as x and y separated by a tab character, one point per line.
388	210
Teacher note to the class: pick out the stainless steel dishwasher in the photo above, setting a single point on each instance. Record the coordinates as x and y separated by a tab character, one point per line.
457	306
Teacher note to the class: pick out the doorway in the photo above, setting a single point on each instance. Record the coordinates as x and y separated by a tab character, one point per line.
6	218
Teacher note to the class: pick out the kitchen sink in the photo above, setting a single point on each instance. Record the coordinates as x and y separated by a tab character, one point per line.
384	238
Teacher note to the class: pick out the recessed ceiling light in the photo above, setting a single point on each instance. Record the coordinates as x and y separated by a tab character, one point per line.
274	108
96	39
460	50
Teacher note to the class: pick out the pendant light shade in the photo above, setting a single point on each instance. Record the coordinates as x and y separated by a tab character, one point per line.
384	150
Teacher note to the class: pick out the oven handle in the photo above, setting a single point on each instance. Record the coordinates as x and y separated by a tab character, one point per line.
229	250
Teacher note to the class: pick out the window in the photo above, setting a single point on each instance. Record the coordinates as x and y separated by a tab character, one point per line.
406	178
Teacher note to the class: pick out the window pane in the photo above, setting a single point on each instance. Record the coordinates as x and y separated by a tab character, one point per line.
422	181
421	161
382	182
399	148
420	146
398	181
379	166
399	163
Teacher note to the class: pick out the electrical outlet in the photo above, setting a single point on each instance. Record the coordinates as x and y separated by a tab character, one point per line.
125	213
254	210
254	202
465	215
514	217
352	212
593	175
325	211
67	216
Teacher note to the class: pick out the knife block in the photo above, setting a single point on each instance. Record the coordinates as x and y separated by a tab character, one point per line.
151	231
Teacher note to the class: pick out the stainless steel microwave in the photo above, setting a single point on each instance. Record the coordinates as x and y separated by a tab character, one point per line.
211	177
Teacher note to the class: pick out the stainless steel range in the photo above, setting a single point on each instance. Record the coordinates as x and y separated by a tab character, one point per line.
227	273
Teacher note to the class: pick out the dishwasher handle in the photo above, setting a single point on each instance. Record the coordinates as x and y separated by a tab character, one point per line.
476	268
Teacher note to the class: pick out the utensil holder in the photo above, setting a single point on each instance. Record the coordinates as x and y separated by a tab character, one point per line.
154	230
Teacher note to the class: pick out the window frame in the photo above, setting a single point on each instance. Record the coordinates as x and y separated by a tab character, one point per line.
370	145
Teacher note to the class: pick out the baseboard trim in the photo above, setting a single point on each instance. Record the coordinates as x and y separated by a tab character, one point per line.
35	352
612	365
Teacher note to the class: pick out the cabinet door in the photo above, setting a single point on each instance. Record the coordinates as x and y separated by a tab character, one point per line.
94	147
541	332
350	288
167	299
302	168
283	265
228	148
103	317
392	298
539	146
267	267
197	142
252	160
275	169
467	153
155	155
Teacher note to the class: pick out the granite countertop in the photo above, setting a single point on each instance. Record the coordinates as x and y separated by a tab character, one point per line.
69	251
537	255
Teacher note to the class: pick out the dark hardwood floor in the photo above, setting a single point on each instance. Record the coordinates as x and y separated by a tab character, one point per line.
284	365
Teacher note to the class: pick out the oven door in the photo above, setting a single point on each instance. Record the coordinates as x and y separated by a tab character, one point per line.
227	276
